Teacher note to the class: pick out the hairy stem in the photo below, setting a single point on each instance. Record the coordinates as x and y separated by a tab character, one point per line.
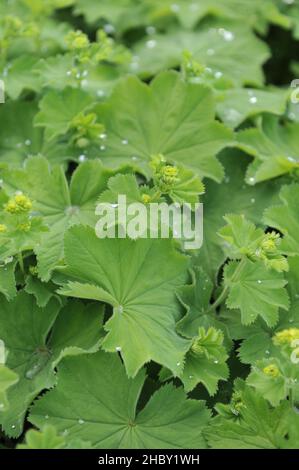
224	293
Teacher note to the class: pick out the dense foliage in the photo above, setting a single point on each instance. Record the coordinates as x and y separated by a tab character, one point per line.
122	343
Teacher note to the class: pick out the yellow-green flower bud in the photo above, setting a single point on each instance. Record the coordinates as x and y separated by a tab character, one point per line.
286	337
271	370
76	40
145	198
24	227
18	204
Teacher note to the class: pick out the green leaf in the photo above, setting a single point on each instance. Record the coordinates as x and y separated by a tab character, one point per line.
104	394
169	117
196	299
7	279
206	361
283	217
236	105
7	379
21	75
218	46
232	195
274	147
33	352
45	439
273	388
138	278
60	205
255	291
57	110
188	188
240	235
18	137
42	291
260	426
253	12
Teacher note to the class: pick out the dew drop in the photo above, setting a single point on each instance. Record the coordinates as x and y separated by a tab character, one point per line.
175	8
267	352
109	28
190	376
292	116
193	7
103	136
100	93
118	348
253	99
259	281
291	320
125	141
82	158
151	43
227	35
27	142
78	75
134	158
150	30
102	147
232	115
292	159
84	83
81	421
178	364
1	406
218	74
84	73
216	362
13	426
252	200
47	417
120	308
69	73
251	180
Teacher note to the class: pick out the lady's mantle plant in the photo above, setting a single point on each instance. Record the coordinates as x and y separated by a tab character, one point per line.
122	343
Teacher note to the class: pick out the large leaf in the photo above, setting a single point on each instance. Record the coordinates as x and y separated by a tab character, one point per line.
138	278
232	195
33	352
238	104
219	46
95	401
7	379
274	147
21	75
260	426
57	109
284	217
169	117
18	137
256	290
60	204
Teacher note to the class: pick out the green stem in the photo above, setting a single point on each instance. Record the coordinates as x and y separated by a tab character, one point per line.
291	397
224	293
21	262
